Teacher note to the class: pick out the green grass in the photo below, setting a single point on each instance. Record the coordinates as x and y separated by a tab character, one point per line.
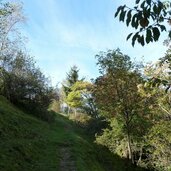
29	144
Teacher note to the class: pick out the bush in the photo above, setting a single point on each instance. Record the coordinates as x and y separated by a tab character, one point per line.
91	125
37	111
55	106
81	119
96	125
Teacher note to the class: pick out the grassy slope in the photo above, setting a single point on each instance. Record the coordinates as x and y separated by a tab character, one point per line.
29	144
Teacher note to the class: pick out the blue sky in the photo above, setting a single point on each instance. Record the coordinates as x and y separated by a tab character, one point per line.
63	33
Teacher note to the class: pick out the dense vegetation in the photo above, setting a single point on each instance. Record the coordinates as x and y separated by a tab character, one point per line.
21	81
127	108
130	106
137	112
28	143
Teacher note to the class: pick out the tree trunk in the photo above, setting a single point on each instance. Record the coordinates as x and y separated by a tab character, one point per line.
68	110
130	148
127	122
75	112
140	157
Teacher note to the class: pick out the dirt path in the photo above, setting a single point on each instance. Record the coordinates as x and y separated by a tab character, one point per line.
66	163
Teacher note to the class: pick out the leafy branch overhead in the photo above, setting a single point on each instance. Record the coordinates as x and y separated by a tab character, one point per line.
148	17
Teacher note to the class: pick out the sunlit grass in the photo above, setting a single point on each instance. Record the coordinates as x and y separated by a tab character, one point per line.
29	144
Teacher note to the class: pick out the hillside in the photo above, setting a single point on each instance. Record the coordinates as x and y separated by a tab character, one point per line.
29	144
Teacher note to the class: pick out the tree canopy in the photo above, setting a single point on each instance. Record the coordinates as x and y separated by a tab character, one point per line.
21	80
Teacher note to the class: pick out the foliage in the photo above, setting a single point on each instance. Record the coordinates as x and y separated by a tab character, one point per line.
74	99
114	138
66	93
128	110
81	98
28	143
21	81
81	119
136	110
96	125
123	106
159	135
77	93
71	79
148	17
11	17
55	106
159	73
160	141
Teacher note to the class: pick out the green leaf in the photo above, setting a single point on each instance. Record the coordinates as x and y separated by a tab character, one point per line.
147	13
137	1
139	16
164	82
163	28
142	5
122	15
156	82
118	10
148	36
129	36
148	2
142	40
135	22
139	39
129	15
160	7
156	33
155	9
134	39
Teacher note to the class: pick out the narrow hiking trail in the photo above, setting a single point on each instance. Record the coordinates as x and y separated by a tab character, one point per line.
66	163
30	144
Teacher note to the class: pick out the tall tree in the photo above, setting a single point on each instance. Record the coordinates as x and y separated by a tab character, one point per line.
116	94
11	17
71	78
81	97
159	135
23	83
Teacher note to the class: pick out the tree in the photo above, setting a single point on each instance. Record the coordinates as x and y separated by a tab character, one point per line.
81	97
71	78
148	17
72	75
74	98
160	149
24	84
11	17
159	73
118	99
157	140
21	81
